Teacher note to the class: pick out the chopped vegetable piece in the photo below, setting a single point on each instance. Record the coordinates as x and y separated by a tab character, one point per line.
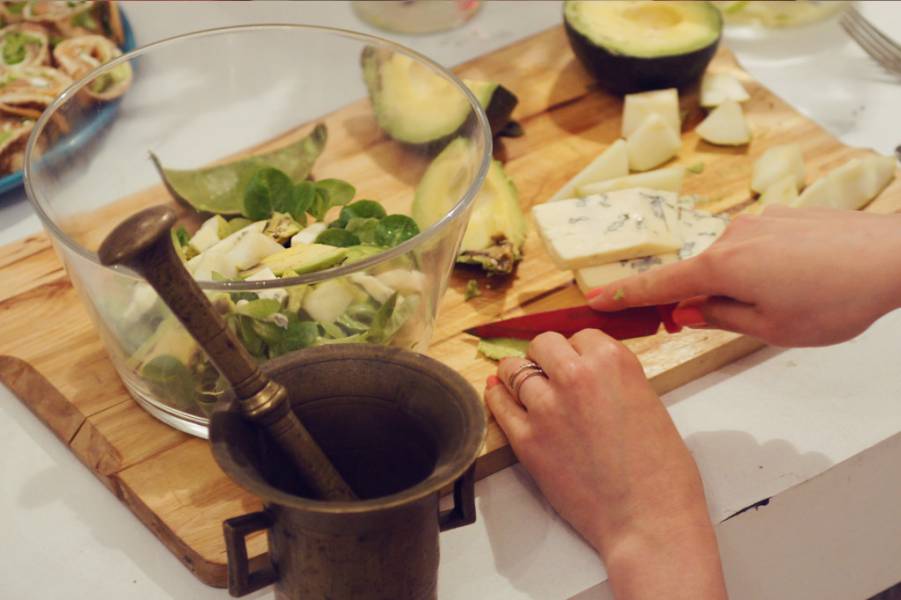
498	348
696	168
472	290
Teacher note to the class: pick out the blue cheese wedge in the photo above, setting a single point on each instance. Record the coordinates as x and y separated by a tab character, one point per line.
608	227
589	278
697	229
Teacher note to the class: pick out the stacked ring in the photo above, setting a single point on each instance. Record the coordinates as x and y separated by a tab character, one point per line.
522	373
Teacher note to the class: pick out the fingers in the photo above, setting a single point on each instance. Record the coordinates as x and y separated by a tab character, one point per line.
508	413
721	313
670	283
590	341
552	352
520	381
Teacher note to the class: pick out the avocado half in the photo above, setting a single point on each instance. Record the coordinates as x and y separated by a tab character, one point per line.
496	230
632	46
415	106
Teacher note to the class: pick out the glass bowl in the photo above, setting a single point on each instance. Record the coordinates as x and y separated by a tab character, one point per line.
203	97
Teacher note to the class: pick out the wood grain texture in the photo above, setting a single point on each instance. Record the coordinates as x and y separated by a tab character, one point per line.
52	358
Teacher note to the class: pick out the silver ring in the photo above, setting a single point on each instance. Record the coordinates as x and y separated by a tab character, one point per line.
522	380
528	365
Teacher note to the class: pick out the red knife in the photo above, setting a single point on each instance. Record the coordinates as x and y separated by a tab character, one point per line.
621	325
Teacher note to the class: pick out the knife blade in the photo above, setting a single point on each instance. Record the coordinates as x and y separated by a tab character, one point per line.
621	325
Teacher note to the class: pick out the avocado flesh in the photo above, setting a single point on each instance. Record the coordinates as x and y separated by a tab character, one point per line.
496	231
416	106
304	258
636	46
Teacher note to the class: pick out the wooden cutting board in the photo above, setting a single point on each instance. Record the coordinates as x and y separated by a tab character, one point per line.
53	360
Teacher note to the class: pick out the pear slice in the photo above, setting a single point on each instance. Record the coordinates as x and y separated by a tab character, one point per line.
652	144
716	88
612	163
669	180
638	107
784	191
777	163
725	126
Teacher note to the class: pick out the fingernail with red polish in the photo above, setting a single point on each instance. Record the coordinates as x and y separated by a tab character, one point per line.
492	381
591	294
689	316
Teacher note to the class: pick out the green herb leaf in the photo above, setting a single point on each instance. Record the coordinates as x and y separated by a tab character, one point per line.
171	379
394	230
337	237
259	309
319	205
697	168
249	337
338	191
364	229
298	334
268	190
361	209
181	235
378	330
302	198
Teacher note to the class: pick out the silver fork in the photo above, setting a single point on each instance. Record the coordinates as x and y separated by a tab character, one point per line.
882	48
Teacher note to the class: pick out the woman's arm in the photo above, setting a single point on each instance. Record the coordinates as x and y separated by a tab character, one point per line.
604	451
792	277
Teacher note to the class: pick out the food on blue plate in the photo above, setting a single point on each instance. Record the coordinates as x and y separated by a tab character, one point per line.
45	46
79	56
633	46
414	105
496	232
24	45
13	136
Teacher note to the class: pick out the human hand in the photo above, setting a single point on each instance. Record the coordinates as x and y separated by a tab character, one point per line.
605	453
792	277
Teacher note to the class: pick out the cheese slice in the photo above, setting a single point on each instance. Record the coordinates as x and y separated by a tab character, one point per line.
611	164
608	227
698	230
597	276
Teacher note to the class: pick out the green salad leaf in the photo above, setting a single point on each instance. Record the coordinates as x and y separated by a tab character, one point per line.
267	191
337	237
338	191
394	230
220	189
172	379
498	348
361	209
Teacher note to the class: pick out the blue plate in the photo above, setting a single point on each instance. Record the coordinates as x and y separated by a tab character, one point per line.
96	124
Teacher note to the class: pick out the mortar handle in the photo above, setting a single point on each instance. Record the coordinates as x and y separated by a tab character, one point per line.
143	242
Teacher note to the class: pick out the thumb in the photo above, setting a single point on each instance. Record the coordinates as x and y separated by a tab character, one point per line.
718	312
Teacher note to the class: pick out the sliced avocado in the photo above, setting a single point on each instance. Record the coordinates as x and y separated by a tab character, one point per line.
303	258
415	106
498	348
220	189
634	46
497	226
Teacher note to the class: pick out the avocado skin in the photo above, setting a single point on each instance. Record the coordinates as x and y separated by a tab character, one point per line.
623	74
499	109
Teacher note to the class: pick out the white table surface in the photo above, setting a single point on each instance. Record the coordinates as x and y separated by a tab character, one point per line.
758	428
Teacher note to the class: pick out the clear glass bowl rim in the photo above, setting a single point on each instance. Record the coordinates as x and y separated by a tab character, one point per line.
434	230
